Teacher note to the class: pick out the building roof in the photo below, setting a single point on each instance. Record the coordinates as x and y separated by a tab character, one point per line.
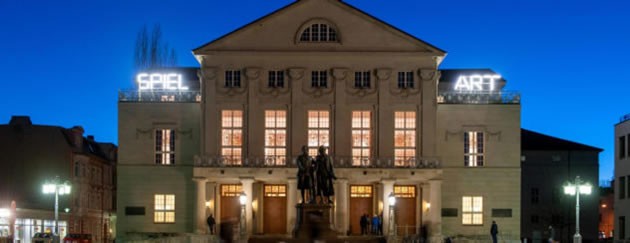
531	140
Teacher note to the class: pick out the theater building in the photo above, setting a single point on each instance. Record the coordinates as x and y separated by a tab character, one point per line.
446	143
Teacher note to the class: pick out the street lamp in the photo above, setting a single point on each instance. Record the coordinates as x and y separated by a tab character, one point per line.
55	186
242	199
391	199
576	189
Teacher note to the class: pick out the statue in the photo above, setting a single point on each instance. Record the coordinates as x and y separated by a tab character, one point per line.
305	175
325	175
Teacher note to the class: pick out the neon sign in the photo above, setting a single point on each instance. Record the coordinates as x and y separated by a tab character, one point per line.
161	81
476	82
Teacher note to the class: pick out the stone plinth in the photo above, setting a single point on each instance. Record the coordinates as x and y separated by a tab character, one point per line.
313	222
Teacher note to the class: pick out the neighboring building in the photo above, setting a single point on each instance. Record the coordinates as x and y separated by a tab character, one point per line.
34	154
622	178
548	163
606	212
318	72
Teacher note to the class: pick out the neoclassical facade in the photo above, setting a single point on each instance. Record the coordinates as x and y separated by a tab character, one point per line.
445	143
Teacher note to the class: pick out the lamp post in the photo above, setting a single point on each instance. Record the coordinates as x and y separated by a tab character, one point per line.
576	189
55	186
391	199
242	199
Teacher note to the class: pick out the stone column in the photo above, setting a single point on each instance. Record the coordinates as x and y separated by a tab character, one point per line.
435	217
341	206
292	196
247	184
200	206
388	187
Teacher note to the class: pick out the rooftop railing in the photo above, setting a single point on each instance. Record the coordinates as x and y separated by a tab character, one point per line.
159	96
479	97
338	162
624	118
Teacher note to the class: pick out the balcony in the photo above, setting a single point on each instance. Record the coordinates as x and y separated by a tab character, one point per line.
338	162
131	96
479	97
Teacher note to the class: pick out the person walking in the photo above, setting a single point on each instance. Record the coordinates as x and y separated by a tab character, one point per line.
211	222
375	224
494	230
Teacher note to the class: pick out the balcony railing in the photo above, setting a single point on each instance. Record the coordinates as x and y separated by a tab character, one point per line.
338	162
159	96
479	97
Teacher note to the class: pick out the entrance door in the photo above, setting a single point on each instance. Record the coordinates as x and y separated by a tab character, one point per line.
275	209
360	203
230	207
405	209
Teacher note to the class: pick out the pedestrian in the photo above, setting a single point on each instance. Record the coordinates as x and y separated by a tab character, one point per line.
211	222
494	230
380	224
375	224
363	222
552	234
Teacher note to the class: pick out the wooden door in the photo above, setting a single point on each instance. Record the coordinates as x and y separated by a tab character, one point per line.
230	206
275	209
405	209
361	202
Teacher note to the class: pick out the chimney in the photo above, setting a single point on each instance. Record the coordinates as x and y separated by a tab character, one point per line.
77	136
20	121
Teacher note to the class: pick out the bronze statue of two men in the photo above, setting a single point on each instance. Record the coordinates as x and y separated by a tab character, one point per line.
315	176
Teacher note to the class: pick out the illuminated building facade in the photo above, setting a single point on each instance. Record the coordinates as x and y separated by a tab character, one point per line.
319	72
622	179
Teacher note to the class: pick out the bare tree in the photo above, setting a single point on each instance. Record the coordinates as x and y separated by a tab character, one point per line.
151	52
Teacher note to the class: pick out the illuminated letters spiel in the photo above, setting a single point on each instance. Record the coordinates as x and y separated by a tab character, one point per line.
160	81
476	82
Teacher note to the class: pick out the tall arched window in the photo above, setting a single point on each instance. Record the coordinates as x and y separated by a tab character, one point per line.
319	32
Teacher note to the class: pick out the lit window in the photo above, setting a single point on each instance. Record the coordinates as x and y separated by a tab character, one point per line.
319	33
231	190
275	191
164	208
276	79
231	136
275	137
362	80
405	191
319	79
473	149
404	138
472	210
232	78
165	146
360	191
361	137
318	130
405	80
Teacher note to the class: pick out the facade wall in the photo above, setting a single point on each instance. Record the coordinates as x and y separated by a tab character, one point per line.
622	173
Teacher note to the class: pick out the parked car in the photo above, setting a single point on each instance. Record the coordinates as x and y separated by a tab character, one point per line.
77	238
43	238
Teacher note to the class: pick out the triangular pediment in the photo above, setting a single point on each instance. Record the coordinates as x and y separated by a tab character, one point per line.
357	31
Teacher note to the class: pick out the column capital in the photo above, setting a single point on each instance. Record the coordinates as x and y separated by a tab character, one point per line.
200	179
342	180
247	180
435	182
388	182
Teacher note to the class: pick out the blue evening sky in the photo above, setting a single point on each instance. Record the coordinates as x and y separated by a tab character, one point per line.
63	62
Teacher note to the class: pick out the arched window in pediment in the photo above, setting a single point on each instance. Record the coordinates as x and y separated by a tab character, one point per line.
318	31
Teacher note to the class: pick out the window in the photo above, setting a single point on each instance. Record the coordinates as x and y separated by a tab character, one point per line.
628	144
276	79
405	191
534	219
405	80
404	138
622	187
319	79
622	147
165	146
319	33
275	137
275	191
231	136
164	208
233	79
233	190
77	169
361	136
473	149
318	130
534	195
362	80
360	191
472	210
622	227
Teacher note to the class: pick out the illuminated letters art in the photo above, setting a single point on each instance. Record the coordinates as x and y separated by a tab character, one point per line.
476	82
159	81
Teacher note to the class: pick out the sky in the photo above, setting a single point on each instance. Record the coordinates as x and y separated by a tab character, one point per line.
63	62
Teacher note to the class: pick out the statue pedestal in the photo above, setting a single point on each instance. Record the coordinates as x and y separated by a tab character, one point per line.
313	222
